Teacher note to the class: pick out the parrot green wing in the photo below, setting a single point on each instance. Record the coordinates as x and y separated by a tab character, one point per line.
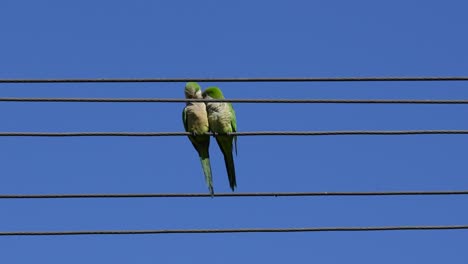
233	118
233	125
184	118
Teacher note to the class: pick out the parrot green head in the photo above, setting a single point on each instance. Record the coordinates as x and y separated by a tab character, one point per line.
213	93
193	91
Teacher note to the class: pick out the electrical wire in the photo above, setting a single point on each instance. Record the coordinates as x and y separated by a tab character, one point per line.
247	79
289	101
234	230
254	133
203	195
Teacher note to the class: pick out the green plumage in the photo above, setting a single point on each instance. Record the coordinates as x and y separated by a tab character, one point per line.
195	119
225	144
222	120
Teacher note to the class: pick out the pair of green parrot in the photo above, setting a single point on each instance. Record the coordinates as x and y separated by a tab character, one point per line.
218	117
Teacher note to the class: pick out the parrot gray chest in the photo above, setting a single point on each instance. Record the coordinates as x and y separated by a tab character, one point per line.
219	117
197	118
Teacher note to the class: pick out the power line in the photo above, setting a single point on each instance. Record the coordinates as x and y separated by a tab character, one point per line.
254	133
177	100
202	195
234	79
240	230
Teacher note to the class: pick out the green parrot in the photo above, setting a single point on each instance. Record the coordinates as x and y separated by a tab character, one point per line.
195	120
222	120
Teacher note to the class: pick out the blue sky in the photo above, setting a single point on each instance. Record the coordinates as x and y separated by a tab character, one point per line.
119	39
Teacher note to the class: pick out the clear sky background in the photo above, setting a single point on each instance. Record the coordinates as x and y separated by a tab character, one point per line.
132	39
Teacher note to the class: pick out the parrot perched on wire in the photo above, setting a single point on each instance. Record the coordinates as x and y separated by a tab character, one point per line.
195	120
222	120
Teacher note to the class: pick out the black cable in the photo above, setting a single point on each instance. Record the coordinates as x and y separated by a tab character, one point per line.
289	101
201	195
254	133
234	230
234	79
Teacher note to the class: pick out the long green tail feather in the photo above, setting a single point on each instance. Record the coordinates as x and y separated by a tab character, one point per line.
225	143
202	145
207	171
231	171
